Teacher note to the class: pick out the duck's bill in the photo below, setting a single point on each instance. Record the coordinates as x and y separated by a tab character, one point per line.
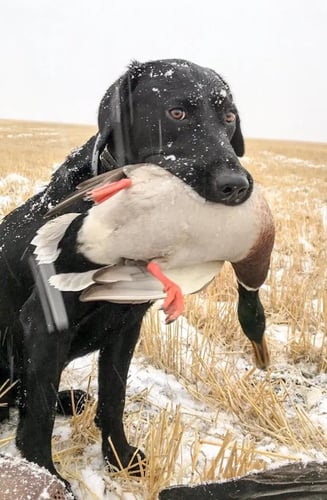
261	354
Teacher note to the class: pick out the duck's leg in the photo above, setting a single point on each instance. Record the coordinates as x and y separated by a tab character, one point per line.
174	302
102	193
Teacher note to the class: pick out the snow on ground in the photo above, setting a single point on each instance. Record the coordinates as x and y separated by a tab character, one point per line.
293	161
156	390
23	188
161	390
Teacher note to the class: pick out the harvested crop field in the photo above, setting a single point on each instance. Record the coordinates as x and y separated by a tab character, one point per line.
195	403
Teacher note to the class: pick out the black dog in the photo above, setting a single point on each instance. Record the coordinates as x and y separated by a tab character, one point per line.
159	112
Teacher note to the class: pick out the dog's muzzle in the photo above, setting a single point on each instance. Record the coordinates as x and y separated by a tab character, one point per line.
232	188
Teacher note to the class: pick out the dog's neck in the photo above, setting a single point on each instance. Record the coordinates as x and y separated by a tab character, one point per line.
107	161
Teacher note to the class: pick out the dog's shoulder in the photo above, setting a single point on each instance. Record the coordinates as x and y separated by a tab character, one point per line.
22	222
75	169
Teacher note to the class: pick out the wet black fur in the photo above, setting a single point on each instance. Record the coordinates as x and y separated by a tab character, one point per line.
204	146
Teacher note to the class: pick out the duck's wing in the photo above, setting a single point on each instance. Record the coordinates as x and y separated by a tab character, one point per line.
85	187
48	237
134	284
120	283
72	282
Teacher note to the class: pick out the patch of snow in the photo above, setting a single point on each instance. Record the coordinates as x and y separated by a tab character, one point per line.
14	136
294	161
20	187
14	178
5	202
48	133
278	332
307	247
93	475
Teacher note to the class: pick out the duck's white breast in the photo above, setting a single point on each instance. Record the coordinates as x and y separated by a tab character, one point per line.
161	217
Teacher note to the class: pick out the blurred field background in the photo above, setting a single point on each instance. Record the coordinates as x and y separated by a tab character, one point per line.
272	414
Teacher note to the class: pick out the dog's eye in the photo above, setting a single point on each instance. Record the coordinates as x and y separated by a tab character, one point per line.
177	113
230	117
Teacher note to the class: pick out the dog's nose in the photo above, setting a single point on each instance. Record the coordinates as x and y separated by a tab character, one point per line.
233	188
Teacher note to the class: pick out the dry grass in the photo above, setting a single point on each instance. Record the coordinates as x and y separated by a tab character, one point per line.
31	150
206	354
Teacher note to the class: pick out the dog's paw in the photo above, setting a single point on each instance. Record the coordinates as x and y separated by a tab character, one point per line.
72	402
132	460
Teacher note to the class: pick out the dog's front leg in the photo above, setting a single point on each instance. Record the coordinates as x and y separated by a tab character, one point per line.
114	362
45	353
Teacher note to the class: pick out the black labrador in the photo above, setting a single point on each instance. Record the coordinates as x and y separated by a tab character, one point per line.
158	112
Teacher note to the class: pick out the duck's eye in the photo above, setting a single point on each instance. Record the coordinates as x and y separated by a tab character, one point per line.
177	113
230	117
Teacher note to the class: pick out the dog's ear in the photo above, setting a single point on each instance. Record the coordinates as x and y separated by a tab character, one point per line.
114	120
237	140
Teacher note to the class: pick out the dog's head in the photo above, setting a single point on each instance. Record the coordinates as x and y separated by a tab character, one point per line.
182	117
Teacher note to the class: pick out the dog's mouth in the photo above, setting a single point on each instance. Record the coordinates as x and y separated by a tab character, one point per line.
229	186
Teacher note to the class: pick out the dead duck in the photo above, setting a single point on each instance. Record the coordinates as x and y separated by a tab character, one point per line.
149	236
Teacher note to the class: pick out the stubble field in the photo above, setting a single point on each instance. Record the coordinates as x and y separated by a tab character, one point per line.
196	404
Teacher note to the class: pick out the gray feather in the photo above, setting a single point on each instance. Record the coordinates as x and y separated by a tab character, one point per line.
72	282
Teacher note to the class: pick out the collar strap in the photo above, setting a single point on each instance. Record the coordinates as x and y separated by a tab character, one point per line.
107	161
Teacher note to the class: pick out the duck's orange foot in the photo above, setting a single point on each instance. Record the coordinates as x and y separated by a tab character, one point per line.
174	302
102	193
